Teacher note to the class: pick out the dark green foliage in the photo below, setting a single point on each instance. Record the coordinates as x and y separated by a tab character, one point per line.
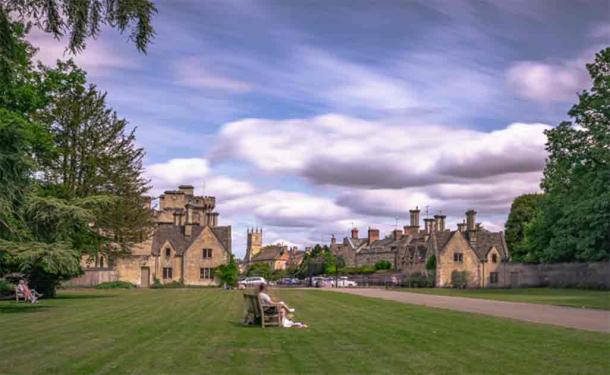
260	269
431	263
6	288
383	265
115	285
522	211
419	280
228	273
363	270
80	20
573	223
459	279
171	285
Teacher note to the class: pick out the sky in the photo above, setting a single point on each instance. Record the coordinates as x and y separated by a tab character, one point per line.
306	118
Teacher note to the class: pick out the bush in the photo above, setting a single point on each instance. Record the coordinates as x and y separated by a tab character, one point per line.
383	265
459	279
6	288
173	284
431	263
115	285
419	280
359	270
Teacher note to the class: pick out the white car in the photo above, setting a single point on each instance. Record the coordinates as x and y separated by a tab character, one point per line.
344	282
253	281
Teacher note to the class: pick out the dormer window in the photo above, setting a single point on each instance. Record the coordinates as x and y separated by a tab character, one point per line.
494	258
168	252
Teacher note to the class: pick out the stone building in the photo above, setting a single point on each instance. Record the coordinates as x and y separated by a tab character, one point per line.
471	249
186	244
279	257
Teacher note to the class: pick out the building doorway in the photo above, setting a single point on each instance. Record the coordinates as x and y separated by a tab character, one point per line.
145	277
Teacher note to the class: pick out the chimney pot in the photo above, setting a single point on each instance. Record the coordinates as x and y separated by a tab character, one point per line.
373	235
354	233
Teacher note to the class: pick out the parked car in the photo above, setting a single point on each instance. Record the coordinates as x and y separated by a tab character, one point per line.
252	281
320	282
344	282
287	281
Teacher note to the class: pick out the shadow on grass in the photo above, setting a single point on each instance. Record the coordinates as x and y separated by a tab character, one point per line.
83	296
22	308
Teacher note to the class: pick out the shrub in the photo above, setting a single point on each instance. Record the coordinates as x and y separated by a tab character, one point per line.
173	284
419	280
115	285
459	279
6	288
431	263
383	265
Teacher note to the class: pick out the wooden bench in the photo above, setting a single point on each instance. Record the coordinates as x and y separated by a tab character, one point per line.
256	311
19	295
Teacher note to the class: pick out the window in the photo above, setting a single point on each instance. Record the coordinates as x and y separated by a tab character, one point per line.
458	257
206	273
494	258
206	253
167	272
493	277
168	252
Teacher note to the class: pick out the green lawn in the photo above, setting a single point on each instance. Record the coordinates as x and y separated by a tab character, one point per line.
594	299
197	331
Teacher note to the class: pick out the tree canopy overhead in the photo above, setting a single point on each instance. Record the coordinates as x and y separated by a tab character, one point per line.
79	20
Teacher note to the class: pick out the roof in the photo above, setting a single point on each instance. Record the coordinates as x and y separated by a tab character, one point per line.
271	252
174	234
486	240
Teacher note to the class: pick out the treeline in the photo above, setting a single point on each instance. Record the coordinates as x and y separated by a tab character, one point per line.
70	172
570	220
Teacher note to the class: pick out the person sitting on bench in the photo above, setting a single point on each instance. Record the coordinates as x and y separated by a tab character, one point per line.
284	308
29	294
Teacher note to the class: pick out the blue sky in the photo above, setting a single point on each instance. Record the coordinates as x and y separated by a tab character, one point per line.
308	117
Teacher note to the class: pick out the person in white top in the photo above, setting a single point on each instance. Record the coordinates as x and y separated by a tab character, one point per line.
284	308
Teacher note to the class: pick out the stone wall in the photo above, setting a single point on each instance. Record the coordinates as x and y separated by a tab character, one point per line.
92	277
577	275
369	258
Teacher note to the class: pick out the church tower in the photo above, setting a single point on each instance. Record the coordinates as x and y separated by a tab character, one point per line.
255	243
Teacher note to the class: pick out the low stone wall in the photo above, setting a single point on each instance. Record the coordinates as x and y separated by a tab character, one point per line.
573	275
92	277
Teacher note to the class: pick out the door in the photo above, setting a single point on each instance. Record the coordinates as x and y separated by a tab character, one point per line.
514	279
145	280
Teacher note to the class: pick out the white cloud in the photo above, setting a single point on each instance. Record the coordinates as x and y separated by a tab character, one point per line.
344	151
546	82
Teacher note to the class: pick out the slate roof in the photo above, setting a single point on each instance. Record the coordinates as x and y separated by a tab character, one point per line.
486	240
175	235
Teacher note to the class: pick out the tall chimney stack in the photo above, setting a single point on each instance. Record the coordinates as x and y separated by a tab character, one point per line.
439	220
397	234
471	220
429	225
461	227
373	235
413	227
355	233
333	240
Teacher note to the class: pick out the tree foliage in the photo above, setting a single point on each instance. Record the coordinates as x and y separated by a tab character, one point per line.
573	223
228	273
80	20
522	211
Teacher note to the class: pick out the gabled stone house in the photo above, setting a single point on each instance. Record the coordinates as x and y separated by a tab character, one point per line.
480	253
186	245
278	257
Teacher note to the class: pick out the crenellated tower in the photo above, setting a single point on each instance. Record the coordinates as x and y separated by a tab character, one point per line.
254	243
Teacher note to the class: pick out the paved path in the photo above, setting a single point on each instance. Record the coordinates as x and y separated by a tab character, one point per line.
587	319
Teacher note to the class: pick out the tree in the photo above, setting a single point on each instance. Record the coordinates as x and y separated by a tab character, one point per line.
260	269
522	211
573	223
95	154
80	20
228	273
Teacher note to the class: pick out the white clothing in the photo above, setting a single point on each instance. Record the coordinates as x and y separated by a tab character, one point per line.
265	298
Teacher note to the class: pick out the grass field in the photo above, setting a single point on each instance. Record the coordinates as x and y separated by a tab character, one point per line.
197	331
594	299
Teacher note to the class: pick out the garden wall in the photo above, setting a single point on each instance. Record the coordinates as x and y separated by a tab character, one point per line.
92	277
578	275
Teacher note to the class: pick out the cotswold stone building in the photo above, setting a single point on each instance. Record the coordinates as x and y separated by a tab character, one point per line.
278	257
186	245
480	253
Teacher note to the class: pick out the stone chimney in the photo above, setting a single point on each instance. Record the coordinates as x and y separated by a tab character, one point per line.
178	218
471	220
187	190
461	227
397	234
355	233
333	240
214	219
373	235
439	221
429	225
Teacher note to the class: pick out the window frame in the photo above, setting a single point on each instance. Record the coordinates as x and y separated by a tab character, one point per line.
168	273
168	252
207	253
458	257
494	258
206	273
